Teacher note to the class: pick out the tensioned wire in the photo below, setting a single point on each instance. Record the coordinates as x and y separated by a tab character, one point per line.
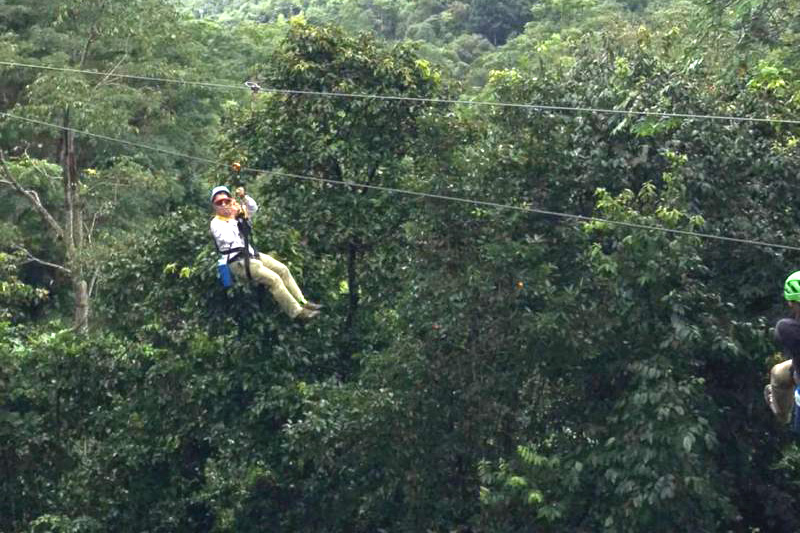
393	190
365	96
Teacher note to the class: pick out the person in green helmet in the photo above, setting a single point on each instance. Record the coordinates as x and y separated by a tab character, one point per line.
784	377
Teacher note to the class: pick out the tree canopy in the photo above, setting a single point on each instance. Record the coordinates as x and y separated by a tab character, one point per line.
550	238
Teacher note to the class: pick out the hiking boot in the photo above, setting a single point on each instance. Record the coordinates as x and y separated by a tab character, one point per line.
306	314
312	306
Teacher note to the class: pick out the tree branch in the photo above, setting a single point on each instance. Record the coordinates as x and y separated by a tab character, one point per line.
92	36
89	230
93	282
111	72
31	195
32	259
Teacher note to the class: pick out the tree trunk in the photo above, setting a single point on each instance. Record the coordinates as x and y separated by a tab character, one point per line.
73	229
80	318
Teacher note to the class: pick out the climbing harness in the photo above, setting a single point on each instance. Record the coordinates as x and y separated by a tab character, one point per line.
245	229
239	253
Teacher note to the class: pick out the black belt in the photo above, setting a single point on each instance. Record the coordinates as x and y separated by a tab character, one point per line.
239	256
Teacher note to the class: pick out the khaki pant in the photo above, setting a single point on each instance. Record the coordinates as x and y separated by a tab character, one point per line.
782	387
275	276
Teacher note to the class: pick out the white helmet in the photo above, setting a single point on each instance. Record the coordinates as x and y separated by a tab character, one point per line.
216	190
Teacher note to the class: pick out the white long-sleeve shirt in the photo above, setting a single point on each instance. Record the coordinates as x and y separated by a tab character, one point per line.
226	231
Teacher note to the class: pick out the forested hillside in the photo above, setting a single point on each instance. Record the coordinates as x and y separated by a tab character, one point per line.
550	238
462	37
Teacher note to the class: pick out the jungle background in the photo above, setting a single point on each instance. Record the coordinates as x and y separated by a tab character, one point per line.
477	367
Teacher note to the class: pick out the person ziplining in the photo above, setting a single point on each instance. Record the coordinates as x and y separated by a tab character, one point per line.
784	377
230	229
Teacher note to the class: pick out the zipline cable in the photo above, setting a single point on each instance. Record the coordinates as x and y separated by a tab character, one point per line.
445	101
406	192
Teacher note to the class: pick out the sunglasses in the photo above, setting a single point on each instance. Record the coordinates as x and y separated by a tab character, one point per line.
222	202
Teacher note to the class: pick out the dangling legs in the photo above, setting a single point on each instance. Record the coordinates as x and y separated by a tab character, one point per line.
286	276
263	275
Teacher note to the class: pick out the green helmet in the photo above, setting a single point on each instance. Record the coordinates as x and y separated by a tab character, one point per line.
791	288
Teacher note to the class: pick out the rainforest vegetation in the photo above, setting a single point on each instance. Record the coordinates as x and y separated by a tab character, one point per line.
550	237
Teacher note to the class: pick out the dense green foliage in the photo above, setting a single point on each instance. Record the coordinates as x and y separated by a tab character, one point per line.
475	368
